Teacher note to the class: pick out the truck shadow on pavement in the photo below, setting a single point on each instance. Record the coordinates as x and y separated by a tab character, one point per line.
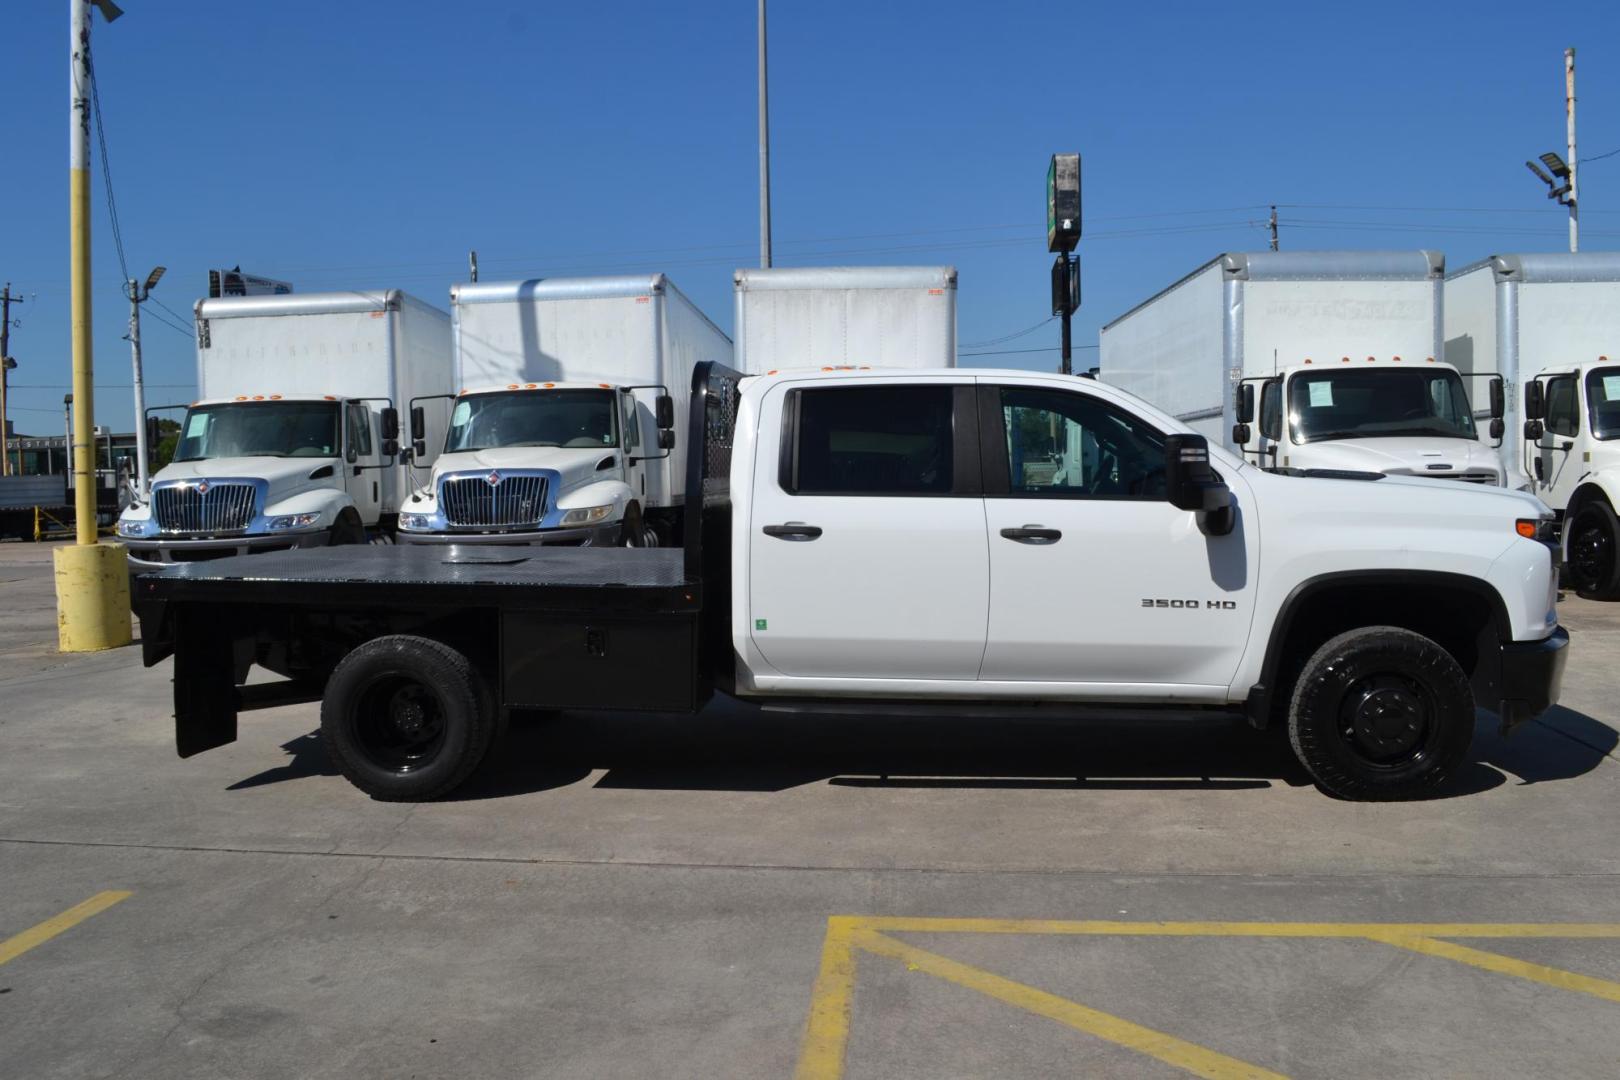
737	747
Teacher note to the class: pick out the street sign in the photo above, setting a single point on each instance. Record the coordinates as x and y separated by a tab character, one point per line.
1065	286
235	283
1063	202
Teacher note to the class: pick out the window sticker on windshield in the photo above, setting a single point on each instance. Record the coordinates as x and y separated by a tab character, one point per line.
1611	388
196	424
459	417
1321	395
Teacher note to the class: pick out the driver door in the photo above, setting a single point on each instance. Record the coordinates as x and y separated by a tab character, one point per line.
362	477
1550	465
1094	577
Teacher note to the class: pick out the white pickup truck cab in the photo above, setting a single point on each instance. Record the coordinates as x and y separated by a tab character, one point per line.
925	540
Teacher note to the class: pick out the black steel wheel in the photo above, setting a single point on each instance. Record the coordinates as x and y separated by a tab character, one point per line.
1381	713
406	718
1594	551
348	529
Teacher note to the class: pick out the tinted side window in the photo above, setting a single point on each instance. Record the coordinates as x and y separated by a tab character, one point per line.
1271	410
360	429
1563	415
1076	445
871	440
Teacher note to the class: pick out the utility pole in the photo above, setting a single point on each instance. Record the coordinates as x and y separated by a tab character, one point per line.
472	265
92	580
1273	224
1574	190
764	153
6	364
137	292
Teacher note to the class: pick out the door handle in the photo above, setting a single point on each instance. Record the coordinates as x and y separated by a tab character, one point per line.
793	530
1033	534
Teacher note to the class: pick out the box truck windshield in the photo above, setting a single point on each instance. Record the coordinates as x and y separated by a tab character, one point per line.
260	429
1603	400
1372	404
567	418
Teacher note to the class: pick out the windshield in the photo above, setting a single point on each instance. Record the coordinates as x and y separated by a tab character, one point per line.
260	429
1378	404
1603	401
571	418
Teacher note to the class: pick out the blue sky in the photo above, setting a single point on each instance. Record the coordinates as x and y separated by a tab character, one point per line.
364	145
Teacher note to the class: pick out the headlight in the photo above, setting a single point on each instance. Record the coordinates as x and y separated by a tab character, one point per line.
134	526
588	515
294	521
415	521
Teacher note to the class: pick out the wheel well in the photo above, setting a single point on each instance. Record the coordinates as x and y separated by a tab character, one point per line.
1462	619
1582	495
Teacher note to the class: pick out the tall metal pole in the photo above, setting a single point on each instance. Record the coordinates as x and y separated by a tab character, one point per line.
142	480
1067	367
84	505
1273	224
1574	191
764	152
5	373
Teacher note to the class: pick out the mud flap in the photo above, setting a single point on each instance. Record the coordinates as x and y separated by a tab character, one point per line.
205	699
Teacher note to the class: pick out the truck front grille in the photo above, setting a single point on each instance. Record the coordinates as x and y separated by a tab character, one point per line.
493	500
205	507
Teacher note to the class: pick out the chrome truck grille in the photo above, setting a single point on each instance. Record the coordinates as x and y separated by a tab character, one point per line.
205	507
494	499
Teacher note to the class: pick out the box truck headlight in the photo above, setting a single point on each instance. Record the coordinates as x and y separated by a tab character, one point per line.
136	526
294	521
588	515
416	521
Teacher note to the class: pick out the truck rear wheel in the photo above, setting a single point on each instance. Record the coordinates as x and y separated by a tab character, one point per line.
405	719
1381	713
1594	552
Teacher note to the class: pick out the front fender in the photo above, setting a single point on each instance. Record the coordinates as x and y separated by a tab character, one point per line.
328	502
616	493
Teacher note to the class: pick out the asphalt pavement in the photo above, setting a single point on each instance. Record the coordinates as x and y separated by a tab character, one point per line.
744	894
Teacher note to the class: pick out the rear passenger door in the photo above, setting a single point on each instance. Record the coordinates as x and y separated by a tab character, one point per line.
866	542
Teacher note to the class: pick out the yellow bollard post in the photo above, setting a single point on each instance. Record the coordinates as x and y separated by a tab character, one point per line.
92	580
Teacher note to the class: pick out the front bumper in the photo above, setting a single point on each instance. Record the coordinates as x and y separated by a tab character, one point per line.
594	536
148	553
1532	677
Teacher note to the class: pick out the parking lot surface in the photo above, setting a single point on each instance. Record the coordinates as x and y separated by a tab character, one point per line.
747	894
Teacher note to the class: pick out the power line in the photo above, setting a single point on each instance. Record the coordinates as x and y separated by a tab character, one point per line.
106	165
1599	157
182	319
1009	337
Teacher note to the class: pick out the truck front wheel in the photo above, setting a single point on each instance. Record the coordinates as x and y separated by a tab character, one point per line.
1594	551
404	718
1381	713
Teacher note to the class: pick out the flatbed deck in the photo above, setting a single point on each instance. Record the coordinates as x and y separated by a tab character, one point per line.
459	576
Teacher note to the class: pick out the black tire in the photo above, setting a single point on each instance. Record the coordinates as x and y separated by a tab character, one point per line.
1381	713
1594	551
406	718
347	529
633	531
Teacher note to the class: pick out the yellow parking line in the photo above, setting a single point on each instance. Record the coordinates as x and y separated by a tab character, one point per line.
13	947
826	1033
1167	1048
903	924
1507	965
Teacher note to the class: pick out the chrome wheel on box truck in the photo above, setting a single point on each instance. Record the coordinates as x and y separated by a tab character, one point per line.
404	718
1381	713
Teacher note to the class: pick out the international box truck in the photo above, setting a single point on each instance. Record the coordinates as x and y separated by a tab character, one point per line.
1549	326
835	316
561	428
293	441
1340	350
870	540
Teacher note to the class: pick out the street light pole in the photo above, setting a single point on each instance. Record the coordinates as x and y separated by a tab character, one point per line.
6	364
1574	190
138	292
764	152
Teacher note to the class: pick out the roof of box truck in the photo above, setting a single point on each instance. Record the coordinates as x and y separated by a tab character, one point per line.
559	288
1549	267
1415	265
327	303
845	277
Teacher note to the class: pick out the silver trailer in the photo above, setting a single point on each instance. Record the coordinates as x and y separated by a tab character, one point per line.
834	316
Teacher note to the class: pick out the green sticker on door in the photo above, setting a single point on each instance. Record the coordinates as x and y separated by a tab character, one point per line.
759	624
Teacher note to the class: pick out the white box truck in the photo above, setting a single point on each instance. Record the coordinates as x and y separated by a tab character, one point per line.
1342	349
1549	325
845	316
294	439
561	429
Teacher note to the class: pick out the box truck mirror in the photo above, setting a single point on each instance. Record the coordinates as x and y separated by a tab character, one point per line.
1535	402
1240	434
1498	399
665	413
418	449
666	439
1498	427
1245	405
1532	431
390	448
390	424
418	424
